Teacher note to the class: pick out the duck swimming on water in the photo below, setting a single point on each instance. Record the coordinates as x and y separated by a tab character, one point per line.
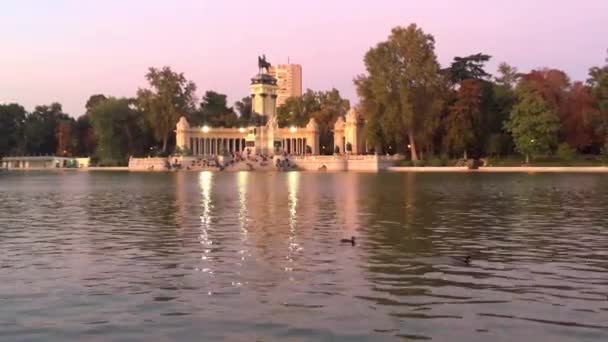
467	260
351	240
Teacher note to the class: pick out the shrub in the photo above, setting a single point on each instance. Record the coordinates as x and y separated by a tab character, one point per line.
435	161
405	163
565	152
419	163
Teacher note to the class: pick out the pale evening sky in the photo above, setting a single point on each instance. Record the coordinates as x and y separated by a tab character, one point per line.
67	50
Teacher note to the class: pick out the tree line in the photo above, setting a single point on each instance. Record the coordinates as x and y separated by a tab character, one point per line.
112	129
410	105
413	106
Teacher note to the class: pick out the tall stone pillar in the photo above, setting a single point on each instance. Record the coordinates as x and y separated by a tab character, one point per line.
182	134
312	132
264	102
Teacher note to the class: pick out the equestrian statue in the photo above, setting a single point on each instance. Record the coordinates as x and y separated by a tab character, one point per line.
263	64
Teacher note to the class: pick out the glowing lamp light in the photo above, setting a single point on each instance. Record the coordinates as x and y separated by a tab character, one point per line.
205	129
241	130
292	129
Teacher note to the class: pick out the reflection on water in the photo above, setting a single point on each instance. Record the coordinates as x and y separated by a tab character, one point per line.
245	256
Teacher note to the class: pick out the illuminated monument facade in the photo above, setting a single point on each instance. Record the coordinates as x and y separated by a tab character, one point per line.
265	138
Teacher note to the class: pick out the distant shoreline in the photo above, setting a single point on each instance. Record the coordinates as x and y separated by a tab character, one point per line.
413	169
503	169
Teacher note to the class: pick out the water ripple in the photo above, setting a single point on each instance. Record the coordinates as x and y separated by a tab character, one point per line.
213	256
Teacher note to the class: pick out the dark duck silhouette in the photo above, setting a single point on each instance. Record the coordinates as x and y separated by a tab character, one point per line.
467	260
351	240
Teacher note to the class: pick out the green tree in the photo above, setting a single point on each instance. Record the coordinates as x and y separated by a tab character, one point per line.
331	107
469	67
324	106
533	125
296	111
372	112
121	131
41	129
507	76
85	136
93	101
12	125
404	83
214	111
245	111
170	96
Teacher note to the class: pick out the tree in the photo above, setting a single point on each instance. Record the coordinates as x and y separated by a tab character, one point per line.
324	106
577	124
331	107
508	76
171	96
403	83
93	101
120	130
41	129
533	124
245	111
463	118
371	111
12	124
65	137
296	111
469	67
214	111
598	88
85	136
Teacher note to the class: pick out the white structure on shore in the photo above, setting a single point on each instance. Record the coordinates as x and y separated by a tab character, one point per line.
265	139
43	162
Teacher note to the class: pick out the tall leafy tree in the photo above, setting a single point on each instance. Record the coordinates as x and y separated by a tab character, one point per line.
170	96
331	107
12	125
403	80
469	67
93	101
507	76
120	130
464	117
598	87
41	129
244	110
533	124
578	122
324	106
66	137
372	112
214	111
85	136
296	111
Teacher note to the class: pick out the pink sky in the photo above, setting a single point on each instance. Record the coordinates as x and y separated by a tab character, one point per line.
65	50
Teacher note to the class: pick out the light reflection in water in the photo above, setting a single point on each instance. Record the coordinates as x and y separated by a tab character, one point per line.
293	180
205	183
242	179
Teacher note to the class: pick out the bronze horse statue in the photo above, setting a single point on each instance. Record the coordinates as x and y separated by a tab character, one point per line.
263	64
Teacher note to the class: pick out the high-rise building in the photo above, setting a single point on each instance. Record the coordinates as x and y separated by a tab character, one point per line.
289	81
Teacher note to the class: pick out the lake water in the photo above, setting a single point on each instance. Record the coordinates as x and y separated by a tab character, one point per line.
102	256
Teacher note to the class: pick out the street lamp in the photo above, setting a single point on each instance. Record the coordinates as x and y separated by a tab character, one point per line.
205	129
241	130
293	129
